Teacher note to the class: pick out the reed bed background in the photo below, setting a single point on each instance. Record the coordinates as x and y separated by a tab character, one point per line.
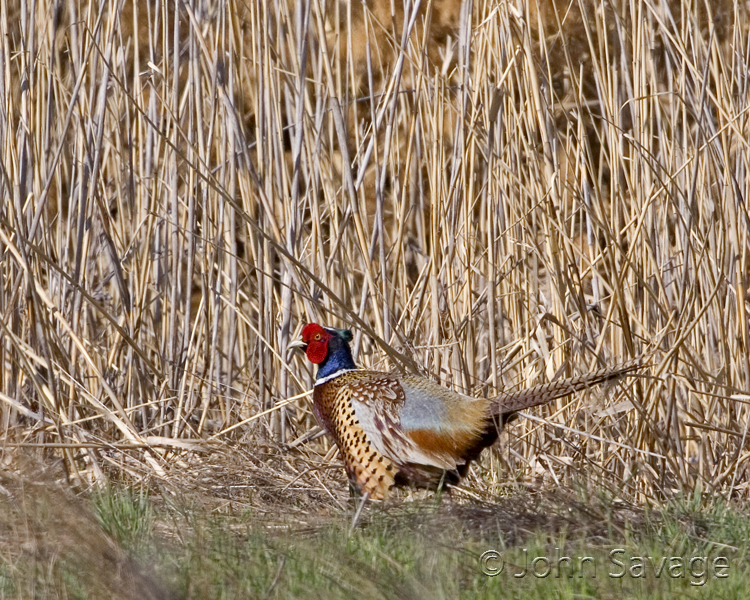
494	193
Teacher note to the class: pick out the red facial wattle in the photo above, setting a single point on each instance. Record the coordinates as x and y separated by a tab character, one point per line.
317	351
316	339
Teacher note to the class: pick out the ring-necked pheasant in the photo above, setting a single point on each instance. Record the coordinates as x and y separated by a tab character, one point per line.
396	429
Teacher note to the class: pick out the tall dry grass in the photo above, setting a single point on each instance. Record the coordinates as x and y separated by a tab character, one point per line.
495	193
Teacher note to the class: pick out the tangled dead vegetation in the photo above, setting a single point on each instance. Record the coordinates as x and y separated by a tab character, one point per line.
48	538
493	195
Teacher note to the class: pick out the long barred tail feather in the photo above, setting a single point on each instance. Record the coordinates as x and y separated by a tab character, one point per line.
509	402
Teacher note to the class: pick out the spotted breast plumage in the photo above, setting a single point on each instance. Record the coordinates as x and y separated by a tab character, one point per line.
397	429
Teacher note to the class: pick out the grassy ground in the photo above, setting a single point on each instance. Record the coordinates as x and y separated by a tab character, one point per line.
430	552
158	543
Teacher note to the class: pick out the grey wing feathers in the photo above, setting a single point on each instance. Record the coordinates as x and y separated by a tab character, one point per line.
378	402
509	402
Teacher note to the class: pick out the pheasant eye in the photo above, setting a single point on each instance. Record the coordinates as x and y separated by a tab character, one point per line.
317	337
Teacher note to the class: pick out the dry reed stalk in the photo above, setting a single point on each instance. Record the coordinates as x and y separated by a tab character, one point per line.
495	197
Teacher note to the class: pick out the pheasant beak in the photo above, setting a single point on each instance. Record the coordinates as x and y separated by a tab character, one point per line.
297	344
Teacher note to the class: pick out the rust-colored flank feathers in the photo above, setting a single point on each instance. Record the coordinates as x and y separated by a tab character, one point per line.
397	429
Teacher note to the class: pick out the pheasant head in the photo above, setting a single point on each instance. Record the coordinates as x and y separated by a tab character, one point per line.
328	348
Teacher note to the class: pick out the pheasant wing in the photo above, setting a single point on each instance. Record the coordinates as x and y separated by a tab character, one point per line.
410	419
